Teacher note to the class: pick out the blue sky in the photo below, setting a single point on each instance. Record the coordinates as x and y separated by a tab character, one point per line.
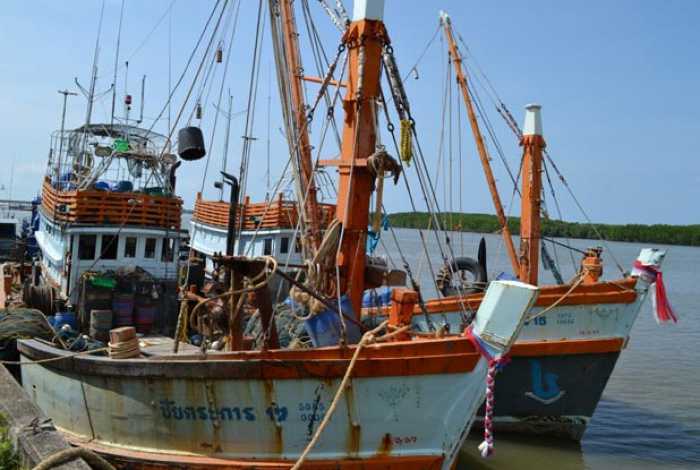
618	82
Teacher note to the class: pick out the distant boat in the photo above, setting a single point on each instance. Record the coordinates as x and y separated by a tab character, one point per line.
576	331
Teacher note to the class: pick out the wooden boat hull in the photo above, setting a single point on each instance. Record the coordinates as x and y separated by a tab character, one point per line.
404	410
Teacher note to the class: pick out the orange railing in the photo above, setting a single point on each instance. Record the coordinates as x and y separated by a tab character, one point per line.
105	207
275	214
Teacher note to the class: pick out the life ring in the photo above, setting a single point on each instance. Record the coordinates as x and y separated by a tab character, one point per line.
477	270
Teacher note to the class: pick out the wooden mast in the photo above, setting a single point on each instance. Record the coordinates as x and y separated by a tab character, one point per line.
532	143
364	38
300	124
481	147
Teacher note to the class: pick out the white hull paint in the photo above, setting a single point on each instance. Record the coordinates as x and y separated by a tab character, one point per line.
565	322
421	415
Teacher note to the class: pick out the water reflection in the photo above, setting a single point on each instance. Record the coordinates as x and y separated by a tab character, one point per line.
639	434
518	452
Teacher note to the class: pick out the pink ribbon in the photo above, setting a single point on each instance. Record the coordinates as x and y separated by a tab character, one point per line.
664	311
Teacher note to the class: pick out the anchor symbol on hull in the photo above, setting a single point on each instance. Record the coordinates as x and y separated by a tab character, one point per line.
544	385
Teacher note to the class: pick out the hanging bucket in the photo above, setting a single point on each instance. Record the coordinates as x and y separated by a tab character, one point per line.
190	143
100	324
123	309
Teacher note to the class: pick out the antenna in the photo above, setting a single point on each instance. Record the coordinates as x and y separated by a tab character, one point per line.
229	116
143	94
65	94
116	62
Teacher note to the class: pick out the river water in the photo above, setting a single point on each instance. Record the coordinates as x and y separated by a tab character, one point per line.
649	416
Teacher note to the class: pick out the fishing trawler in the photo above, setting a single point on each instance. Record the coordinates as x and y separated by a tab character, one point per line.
388	397
576	330
107	206
265	229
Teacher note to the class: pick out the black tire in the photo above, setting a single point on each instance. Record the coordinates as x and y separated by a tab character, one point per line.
469	265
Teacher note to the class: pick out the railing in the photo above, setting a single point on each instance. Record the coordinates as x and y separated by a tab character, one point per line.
112	208
275	214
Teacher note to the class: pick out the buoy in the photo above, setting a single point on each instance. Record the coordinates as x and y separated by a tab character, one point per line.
190	143
127	100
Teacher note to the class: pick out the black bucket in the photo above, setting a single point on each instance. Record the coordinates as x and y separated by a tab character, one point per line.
190	143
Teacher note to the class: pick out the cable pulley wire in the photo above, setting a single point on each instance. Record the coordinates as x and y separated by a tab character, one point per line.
422	54
221	89
558	208
182	75
510	121
207	83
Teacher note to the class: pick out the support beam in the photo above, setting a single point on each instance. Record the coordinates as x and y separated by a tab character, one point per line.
456	57
365	39
530	223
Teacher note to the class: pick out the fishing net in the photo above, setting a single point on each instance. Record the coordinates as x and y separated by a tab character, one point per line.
23	323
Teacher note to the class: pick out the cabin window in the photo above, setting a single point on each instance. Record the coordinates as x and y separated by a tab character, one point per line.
130	247
86	246
267	246
109	246
150	251
7	230
166	252
284	245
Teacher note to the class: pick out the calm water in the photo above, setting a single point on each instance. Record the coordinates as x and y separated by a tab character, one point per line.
649	416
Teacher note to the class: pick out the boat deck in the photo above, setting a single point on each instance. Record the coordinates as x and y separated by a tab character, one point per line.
154	346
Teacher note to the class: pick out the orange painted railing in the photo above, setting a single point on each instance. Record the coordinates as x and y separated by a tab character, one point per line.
275	214
105	207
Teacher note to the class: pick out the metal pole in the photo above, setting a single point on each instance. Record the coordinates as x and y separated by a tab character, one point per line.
233	203
228	132
65	94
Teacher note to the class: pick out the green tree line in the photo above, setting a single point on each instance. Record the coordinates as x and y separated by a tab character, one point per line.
486	223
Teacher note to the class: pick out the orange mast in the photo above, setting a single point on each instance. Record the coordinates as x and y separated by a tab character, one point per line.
481	147
364	38
296	77
532	143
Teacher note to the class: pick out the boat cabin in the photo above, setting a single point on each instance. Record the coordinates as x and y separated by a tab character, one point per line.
107	202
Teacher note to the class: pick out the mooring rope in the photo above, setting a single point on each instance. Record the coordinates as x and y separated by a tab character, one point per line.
68	455
368	338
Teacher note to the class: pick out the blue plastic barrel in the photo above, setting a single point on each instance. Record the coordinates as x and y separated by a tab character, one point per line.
376	297
123	187
324	328
65	318
123	309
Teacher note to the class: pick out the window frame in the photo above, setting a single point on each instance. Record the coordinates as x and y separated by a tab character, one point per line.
145	248
126	246
83	237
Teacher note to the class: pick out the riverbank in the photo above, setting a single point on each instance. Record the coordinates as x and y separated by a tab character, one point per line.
688	235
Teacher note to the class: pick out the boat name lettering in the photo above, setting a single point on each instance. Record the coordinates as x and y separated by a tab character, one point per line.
537	321
566	318
169	409
405	440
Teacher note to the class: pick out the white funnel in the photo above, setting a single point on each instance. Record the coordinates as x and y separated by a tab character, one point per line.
368	10
533	120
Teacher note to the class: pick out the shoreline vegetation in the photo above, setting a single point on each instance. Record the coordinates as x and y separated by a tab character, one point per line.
688	235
